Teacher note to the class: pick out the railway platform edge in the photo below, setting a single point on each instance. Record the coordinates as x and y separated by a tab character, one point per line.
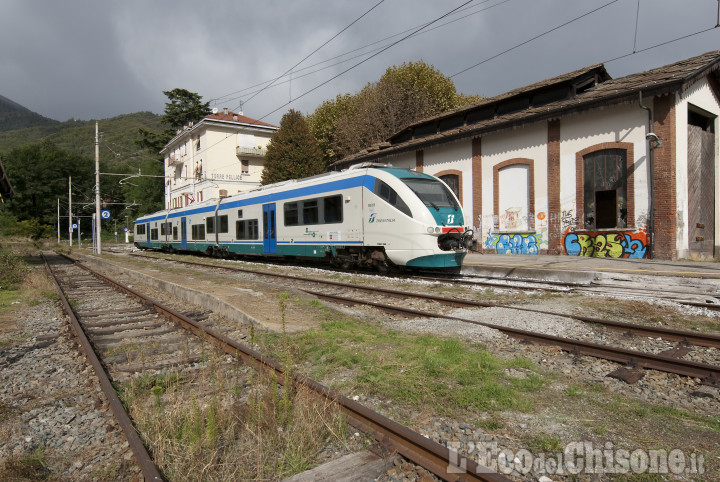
574	269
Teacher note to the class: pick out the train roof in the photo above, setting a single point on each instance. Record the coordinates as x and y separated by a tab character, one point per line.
332	181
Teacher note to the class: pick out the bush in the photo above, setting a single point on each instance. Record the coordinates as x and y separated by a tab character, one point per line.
29	228
12	269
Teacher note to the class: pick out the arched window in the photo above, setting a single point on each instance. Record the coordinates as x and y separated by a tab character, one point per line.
514	195
605	182
453	182
454	179
605	186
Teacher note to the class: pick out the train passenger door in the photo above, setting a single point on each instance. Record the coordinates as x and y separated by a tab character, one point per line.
269	233
183	233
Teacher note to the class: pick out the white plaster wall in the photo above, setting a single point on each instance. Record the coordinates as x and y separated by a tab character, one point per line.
528	142
621	123
700	94
453	156
406	160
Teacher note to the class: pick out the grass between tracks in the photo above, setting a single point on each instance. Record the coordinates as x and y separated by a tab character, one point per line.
435	373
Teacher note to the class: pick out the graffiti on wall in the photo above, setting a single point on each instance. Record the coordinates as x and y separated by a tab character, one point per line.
515	243
621	244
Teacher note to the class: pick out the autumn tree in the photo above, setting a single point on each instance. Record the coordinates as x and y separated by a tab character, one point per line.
403	95
292	152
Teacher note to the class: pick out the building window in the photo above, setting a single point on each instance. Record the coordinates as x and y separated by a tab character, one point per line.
605	189
514	195
245	166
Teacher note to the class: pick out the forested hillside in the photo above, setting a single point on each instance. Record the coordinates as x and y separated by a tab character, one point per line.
78	137
40	155
14	116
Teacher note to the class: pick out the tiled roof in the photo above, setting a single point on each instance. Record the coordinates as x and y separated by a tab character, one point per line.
674	77
231	117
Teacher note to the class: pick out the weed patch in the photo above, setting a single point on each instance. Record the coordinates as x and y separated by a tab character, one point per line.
443	373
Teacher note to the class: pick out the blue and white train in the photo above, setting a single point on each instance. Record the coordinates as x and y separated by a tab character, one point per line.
367	216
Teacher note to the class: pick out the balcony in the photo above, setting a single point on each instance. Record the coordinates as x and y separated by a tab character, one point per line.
174	160
251	151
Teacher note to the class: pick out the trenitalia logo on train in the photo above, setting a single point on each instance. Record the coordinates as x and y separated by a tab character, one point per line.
375	219
369	216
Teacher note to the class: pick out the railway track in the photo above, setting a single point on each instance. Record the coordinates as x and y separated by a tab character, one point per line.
669	361
135	315
697	296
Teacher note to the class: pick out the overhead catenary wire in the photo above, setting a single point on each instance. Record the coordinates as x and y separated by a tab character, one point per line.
365	60
533	38
234	95
317	49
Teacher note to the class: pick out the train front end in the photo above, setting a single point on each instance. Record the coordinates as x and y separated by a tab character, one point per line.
429	230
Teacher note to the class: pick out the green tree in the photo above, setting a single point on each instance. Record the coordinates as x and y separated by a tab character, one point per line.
147	192
183	107
39	174
402	96
292	152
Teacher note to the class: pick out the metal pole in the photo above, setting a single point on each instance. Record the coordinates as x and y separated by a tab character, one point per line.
70	229
58	219
97	190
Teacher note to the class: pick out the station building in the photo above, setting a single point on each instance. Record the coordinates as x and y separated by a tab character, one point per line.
218	156
581	164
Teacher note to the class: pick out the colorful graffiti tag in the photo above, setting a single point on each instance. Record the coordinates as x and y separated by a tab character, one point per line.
606	244
519	243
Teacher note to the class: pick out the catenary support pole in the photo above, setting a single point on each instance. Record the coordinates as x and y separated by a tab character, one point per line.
70	229
98	249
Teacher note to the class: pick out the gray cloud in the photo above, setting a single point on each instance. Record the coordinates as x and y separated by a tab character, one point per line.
88	59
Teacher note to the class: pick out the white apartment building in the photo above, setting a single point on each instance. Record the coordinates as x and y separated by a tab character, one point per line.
221	155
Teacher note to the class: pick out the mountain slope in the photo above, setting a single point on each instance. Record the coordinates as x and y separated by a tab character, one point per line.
14	116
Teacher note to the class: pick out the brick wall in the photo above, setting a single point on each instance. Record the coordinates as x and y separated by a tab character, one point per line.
664	244
555	234
476	182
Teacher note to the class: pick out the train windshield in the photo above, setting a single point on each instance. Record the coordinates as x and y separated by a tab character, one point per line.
433	193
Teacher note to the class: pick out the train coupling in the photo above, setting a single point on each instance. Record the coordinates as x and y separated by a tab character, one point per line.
456	240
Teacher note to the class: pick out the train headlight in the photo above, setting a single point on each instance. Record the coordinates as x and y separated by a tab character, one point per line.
430	230
437	229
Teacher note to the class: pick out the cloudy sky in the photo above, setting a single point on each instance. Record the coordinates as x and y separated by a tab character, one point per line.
93	59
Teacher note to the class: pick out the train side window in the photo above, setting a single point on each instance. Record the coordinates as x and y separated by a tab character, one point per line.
140	230
389	195
247	229
240	213
154	234
175	233
332	209
198	232
291	214
310	212
210	223
223	224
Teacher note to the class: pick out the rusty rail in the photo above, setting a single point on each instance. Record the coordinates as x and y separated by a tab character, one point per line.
694	338
148	467
393	436
709	374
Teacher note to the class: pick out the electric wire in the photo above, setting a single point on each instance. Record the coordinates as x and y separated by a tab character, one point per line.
533	38
317	49
233	95
365	60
